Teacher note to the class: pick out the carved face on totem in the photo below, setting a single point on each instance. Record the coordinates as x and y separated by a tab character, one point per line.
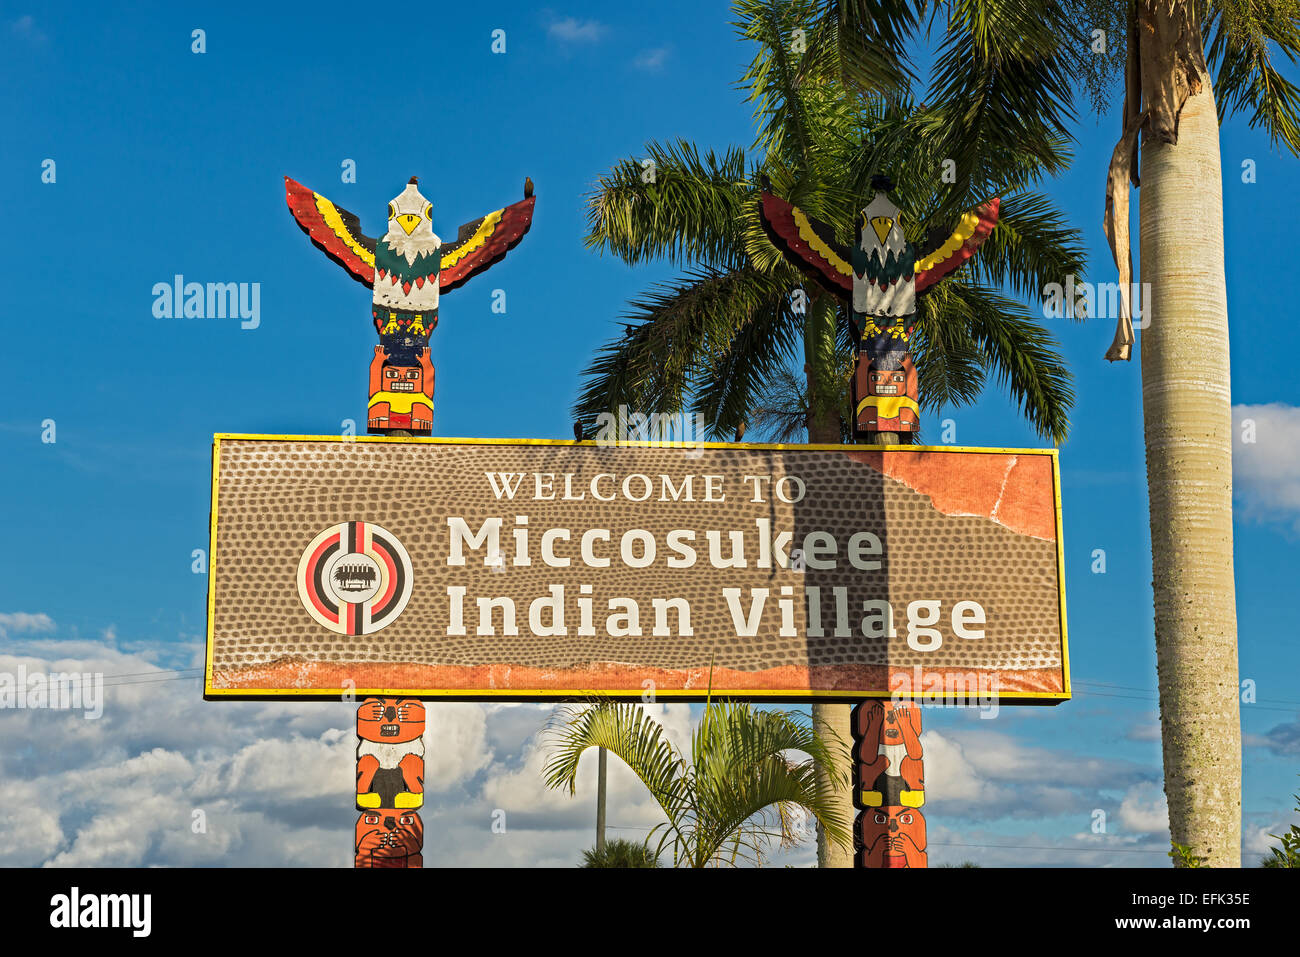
893	837
887	393
390	720
387	838
403	379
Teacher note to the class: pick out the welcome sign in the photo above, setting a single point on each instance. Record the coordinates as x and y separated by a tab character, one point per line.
537	570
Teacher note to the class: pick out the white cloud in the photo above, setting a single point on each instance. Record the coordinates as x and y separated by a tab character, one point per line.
1266	469
455	744
26	28
21	621
573	30
1145	810
1144	731
948	773
981	775
1258	832
651	60
1282	739
1258	842
273	780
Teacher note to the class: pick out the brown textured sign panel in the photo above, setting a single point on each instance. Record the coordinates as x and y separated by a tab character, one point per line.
534	570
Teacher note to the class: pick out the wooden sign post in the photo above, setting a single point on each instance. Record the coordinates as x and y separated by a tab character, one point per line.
390	783
407	269
879	278
889	785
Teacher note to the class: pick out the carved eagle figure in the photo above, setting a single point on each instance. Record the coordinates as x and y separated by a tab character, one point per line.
407	268
879	276
882	273
409	255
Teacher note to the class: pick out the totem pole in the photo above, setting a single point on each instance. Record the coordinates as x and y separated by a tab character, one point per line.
390	782
889	785
407	269
879	279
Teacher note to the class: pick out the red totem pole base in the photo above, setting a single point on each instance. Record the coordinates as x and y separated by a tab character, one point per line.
390	783
888	785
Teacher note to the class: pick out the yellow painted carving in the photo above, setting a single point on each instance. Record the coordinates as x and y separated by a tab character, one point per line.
485	229
335	222
871	329
887	406
964	231
401	402
882	226
808	235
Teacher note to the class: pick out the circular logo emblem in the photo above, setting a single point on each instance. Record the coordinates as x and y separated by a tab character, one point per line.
354	578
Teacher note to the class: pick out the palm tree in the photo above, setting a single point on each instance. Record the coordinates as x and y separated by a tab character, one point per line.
620	853
1288	853
738	793
721	337
1022	59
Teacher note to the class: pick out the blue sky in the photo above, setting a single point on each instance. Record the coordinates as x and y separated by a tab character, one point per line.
170	162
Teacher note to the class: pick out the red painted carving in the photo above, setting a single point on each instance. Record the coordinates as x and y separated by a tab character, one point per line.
889	784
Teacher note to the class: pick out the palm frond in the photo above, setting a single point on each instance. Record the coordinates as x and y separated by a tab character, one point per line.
715	335
750	777
728	382
746	779
1239	34
626	732
780	412
1022	355
950	366
864	43
685	207
1032	246
1002	85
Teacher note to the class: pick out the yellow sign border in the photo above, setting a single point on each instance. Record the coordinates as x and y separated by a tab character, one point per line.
552	694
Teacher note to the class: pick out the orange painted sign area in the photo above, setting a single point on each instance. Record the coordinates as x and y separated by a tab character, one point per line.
536	570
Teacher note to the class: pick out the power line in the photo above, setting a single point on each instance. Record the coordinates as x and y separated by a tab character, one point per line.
1104	684
1150	700
1051	847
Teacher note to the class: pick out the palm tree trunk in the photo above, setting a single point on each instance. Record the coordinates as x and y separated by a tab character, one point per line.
1186	401
830	721
600	802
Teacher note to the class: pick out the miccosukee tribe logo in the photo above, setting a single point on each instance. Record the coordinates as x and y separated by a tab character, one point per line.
354	578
